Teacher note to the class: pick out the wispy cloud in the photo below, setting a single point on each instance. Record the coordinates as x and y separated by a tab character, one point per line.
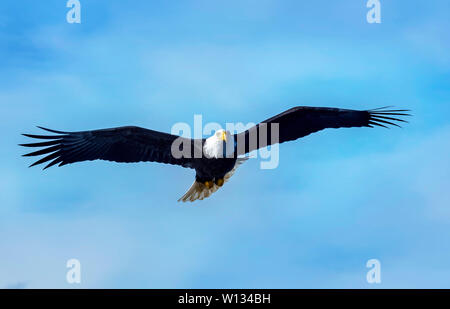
17	285
338	198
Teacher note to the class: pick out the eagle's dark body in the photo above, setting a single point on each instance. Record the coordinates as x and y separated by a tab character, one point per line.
212	169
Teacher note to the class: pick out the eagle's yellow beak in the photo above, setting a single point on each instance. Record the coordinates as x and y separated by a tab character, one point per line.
224	136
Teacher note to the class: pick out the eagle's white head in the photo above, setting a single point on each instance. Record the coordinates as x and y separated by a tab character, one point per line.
219	145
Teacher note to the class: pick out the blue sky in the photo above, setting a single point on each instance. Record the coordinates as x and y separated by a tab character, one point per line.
337	199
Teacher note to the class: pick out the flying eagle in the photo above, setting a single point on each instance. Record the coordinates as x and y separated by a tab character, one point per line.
213	158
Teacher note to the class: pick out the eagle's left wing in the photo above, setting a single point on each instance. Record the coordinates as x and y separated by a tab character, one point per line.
300	121
122	144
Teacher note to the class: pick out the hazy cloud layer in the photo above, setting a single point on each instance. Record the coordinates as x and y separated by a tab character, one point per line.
337	199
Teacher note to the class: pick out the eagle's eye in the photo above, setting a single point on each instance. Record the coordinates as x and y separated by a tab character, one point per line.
221	134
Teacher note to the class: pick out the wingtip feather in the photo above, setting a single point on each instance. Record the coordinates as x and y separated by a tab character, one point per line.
53	131
384	117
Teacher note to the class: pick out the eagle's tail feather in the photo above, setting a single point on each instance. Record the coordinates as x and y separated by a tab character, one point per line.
198	190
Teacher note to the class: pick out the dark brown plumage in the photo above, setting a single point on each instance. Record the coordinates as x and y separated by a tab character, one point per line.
123	144
300	121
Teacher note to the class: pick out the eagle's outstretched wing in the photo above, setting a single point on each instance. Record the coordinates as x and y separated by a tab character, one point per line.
303	120
123	144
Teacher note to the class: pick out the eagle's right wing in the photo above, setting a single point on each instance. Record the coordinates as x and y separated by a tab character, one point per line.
123	144
300	121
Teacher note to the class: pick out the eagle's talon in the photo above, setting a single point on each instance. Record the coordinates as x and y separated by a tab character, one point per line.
209	184
220	182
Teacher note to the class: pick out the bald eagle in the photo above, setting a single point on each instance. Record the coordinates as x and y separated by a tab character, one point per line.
213	158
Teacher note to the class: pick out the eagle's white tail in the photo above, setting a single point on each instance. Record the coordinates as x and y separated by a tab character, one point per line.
198	190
